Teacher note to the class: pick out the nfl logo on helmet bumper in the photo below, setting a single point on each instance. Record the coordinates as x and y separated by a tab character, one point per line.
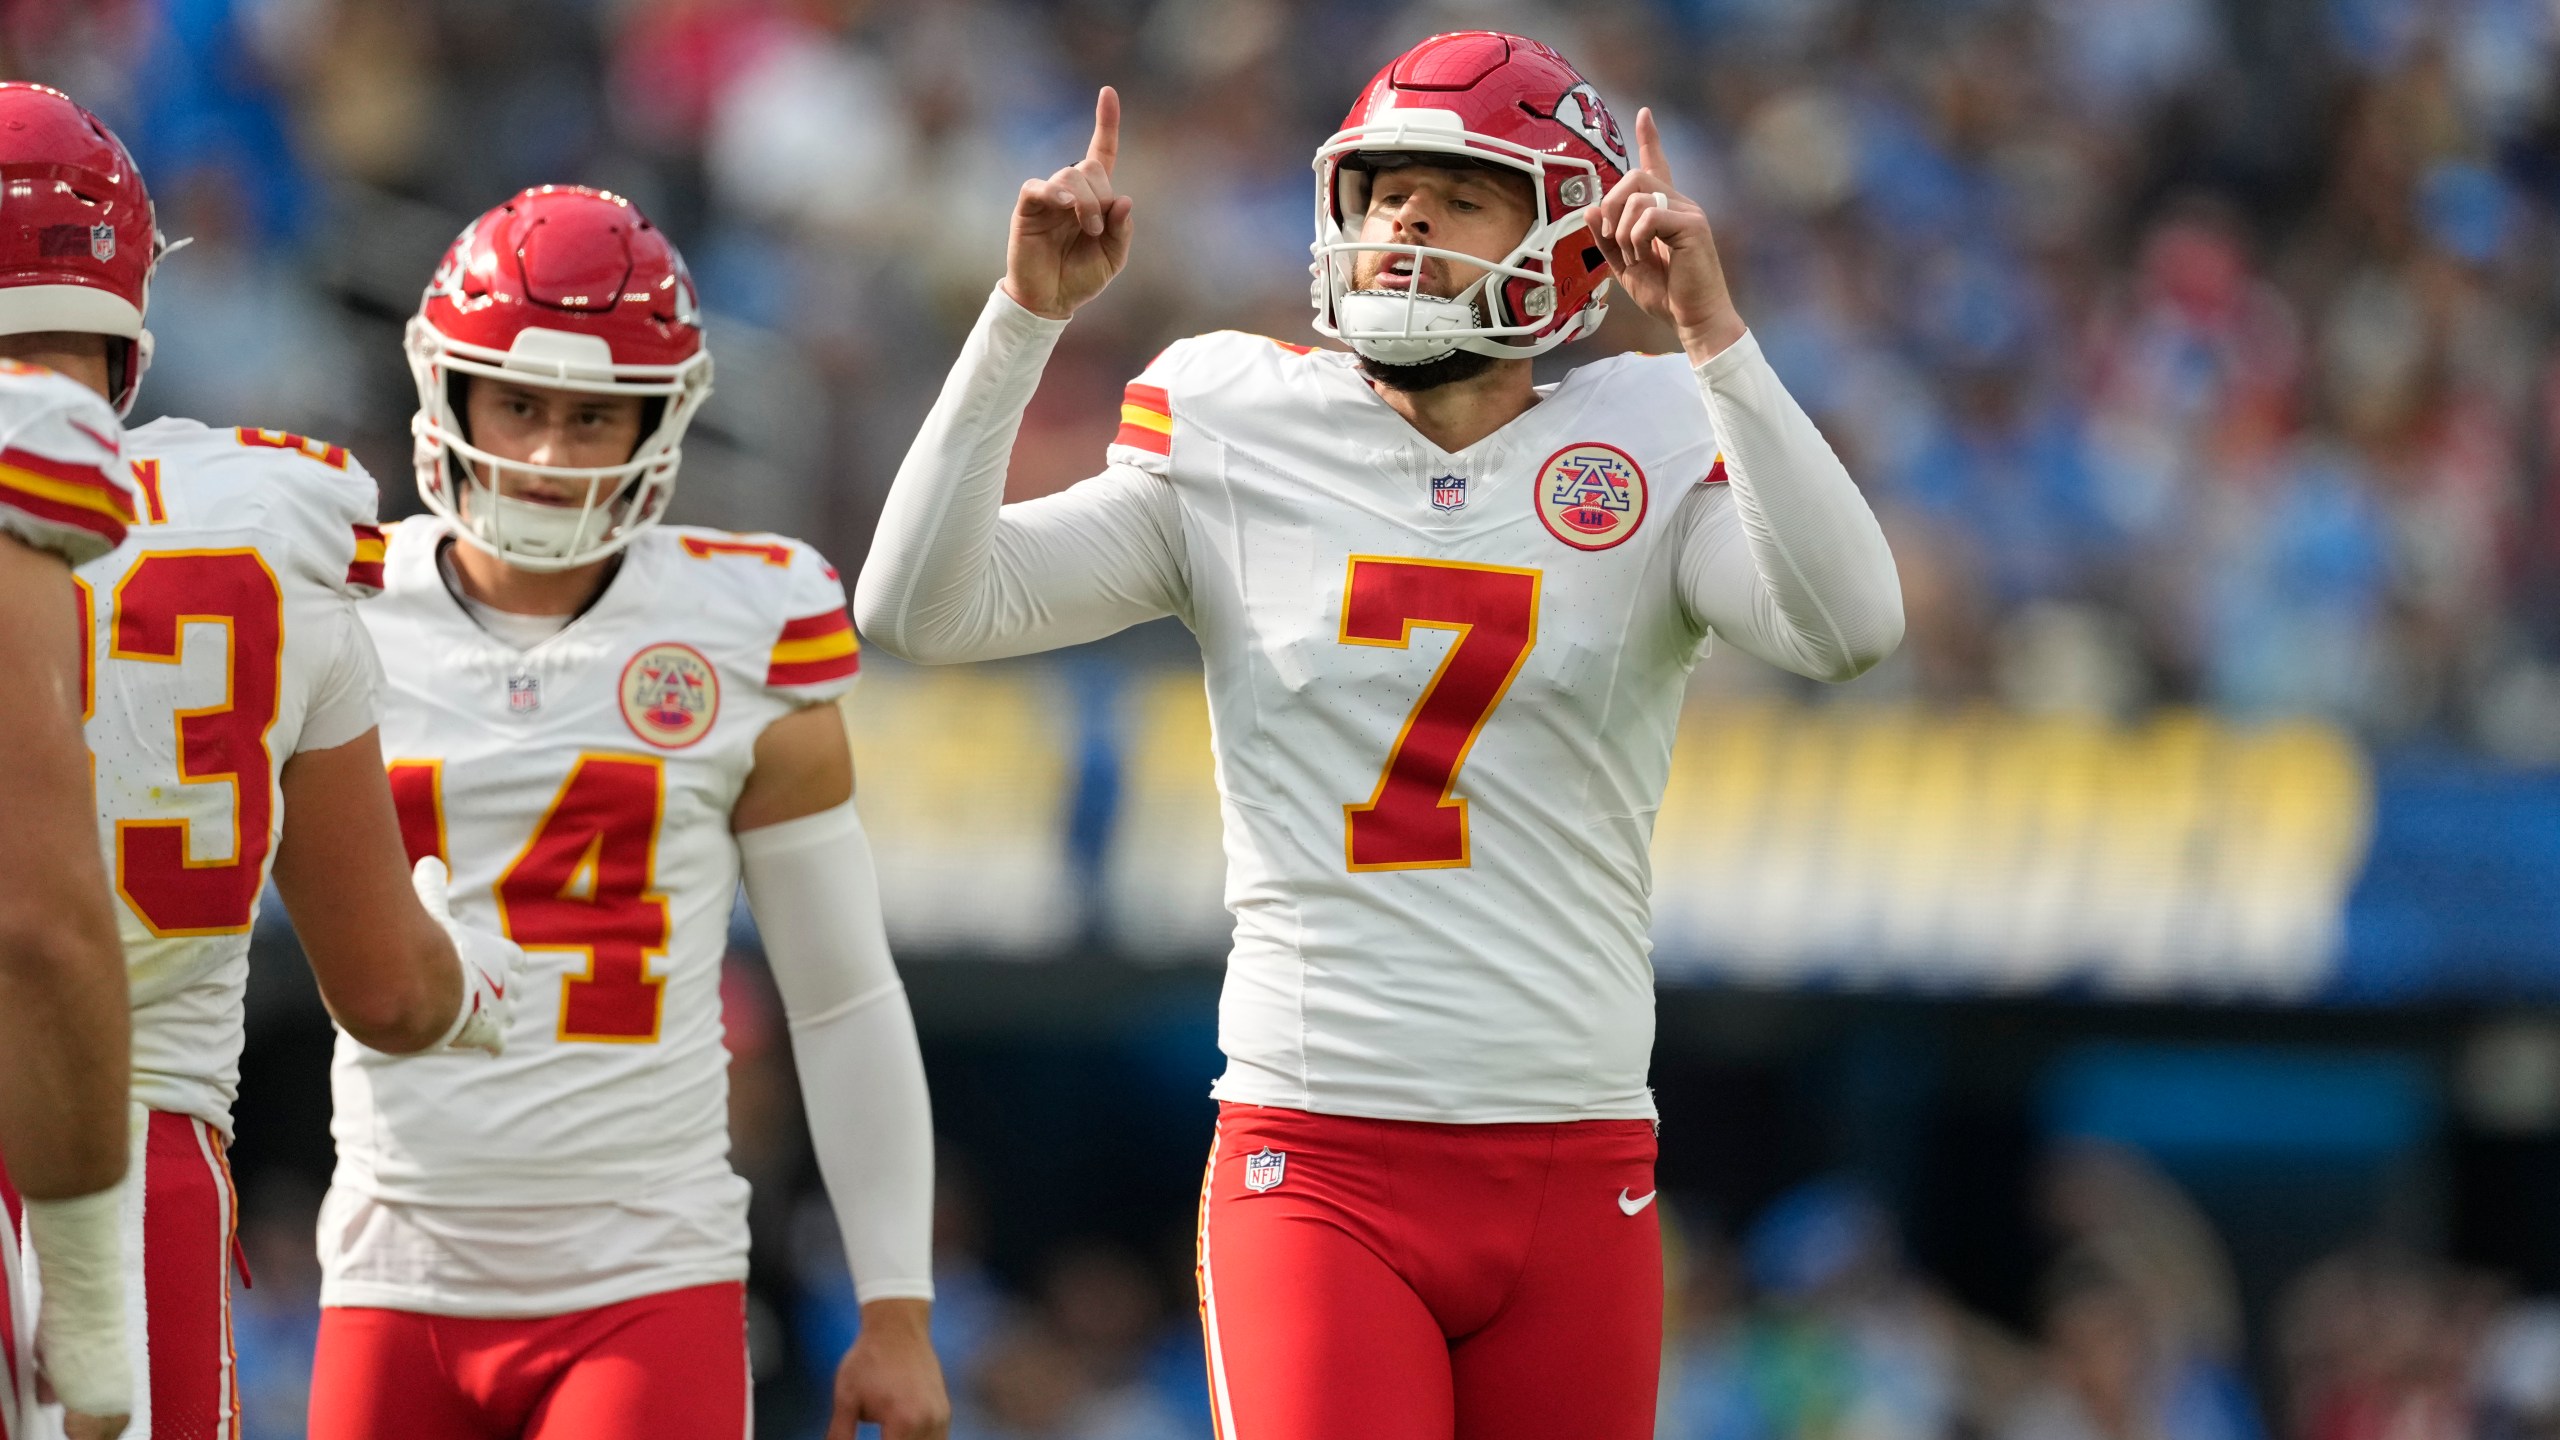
1264	1169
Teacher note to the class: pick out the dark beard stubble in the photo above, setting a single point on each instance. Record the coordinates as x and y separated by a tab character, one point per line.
1449	369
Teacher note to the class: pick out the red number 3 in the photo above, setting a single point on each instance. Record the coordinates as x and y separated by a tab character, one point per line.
1411	822
157	871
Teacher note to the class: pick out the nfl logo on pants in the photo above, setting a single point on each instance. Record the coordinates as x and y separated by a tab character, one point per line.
1264	1169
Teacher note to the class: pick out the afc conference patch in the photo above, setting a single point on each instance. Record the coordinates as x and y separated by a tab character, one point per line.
1265	1168
1448	492
1591	496
670	695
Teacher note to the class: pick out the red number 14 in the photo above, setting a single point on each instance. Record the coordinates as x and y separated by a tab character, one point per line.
1411	821
582	883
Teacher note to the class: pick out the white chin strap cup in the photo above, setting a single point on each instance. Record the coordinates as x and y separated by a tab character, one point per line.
541	532
1394	327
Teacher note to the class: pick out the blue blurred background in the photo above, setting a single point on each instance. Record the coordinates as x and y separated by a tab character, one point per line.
2126	1013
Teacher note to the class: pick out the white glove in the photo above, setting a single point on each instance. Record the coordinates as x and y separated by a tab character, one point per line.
490	965
80	1329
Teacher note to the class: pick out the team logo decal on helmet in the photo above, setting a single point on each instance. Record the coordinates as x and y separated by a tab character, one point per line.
80	241
1591	496
670	695
446	283
564	288
1483	98
1580	111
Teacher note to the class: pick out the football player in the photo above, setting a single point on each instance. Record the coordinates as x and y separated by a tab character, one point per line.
63	1018
1447	617
603	724
229	693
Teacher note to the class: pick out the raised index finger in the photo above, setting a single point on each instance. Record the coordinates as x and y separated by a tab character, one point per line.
1649	147
1105	149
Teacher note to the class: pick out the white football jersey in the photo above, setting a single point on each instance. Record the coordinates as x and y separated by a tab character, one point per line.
223	641
580	791
1443	690
62	487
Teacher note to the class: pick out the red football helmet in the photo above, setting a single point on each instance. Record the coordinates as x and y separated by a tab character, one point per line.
568	288
1499	100
77	238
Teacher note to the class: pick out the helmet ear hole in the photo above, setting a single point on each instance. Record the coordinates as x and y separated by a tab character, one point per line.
653	411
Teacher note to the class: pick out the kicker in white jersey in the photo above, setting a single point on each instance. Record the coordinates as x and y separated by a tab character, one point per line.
1476	662
1443	687
222	642
580	790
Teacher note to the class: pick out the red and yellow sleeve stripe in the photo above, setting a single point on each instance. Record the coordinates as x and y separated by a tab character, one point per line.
62	492
1146	419
1715	472
366	568
815	649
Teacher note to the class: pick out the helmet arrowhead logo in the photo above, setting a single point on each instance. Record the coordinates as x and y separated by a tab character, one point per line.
1580	111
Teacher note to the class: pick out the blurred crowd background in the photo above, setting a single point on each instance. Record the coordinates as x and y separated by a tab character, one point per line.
2195	352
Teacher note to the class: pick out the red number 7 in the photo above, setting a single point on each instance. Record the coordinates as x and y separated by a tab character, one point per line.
1411	822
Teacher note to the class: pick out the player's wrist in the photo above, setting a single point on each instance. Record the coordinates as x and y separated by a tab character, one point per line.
1056	312
1711	337
898	1317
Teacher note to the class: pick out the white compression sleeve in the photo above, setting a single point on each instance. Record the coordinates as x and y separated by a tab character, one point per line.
80	1329
817	903
956	574
1790	564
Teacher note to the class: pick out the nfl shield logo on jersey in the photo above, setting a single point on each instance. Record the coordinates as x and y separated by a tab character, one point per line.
524	694
1448	492
1264	1169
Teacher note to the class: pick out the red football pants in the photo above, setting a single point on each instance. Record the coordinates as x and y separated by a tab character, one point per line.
671	1366
180	1235
1393	1280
